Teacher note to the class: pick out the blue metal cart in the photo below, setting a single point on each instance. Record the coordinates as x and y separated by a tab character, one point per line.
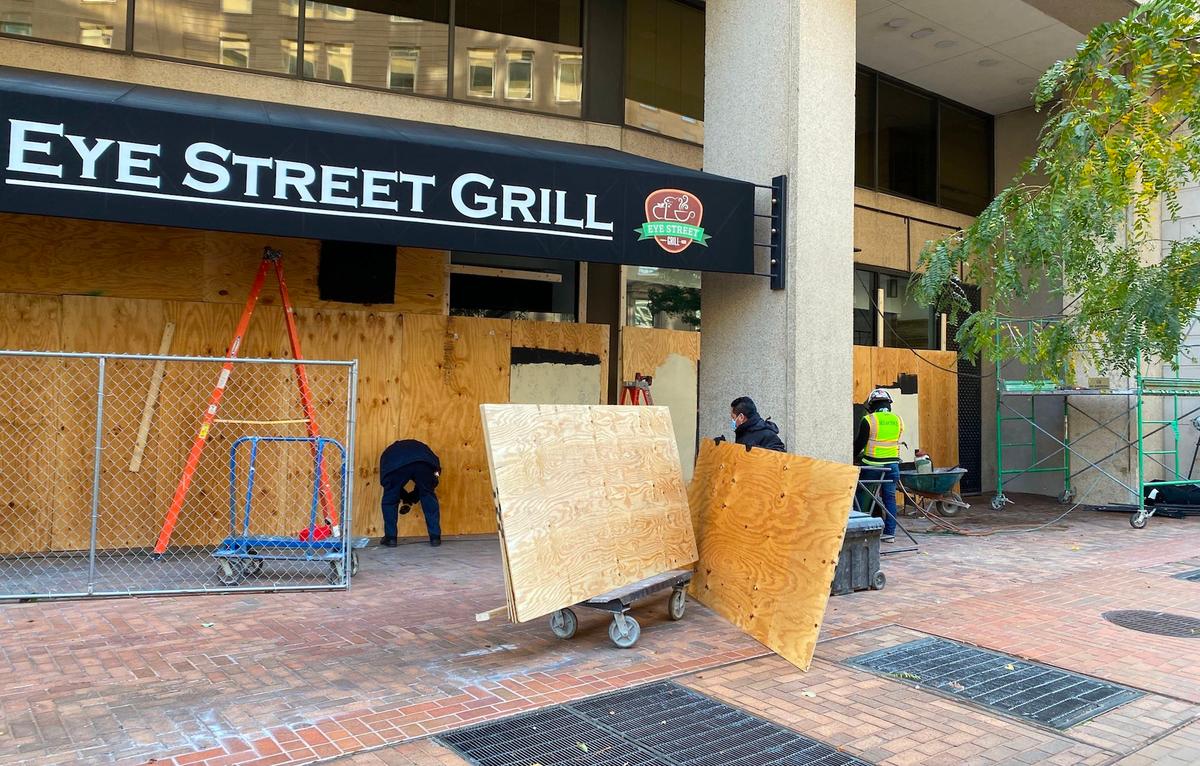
242	555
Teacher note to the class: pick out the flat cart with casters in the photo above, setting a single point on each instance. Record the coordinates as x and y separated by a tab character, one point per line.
625	630
242	555
935	491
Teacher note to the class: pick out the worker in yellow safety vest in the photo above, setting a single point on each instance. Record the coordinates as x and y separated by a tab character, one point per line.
878	446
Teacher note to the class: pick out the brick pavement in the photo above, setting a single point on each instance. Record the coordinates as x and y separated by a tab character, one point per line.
294	678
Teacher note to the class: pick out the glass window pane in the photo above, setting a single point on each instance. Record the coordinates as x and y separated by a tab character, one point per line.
664	65
98	23
510	68
235	33
518	83
864	311
553	21
905	323
402	69
406	53
505	297
568	77
907	142
966	157
864	130
662	298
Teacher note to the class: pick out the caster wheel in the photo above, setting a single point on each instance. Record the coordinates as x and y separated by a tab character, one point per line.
564	623
337	572
678	604
948	509
998	502
1066	498
1138	521
878	581
353	563
230	573
254	567
629	636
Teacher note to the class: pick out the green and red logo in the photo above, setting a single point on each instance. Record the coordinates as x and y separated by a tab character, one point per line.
673	220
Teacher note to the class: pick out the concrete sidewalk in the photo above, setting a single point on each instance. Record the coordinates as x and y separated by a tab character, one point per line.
293	678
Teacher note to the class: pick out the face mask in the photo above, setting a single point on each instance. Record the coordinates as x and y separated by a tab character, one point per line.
733	422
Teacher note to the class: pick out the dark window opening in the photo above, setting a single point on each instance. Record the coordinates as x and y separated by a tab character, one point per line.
556	21
665	56
864	308
864	130
907	142
355	272
964	137
510	287
906	324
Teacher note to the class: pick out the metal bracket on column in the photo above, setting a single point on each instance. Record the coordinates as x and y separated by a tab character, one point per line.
777	246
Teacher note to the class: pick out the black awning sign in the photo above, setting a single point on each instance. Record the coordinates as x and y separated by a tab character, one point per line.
109	161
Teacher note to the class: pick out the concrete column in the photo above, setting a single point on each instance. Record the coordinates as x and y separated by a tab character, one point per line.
779	99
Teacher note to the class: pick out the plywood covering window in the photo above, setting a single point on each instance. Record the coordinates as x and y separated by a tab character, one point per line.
355	272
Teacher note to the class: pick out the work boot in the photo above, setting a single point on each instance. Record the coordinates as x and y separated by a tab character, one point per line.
435	542
390	542
887	538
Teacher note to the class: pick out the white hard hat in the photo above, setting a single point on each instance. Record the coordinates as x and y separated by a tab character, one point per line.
879	395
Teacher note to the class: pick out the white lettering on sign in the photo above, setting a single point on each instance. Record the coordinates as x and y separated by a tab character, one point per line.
19	146
475	200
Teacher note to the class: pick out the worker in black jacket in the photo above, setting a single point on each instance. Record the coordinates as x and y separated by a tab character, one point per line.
751	430
404	464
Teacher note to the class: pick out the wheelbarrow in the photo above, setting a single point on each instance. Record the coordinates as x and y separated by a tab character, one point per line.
935	491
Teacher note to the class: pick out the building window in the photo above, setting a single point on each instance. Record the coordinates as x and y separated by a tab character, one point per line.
510	287
568	77
337	13
311	50
518	80
356	272
95	35
237	6
16	24
663	298
402	69
339	59
482	63
235	50
965	150
664	68
921	146
865	287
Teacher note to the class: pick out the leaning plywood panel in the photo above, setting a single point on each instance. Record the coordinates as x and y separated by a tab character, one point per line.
770	529
588	498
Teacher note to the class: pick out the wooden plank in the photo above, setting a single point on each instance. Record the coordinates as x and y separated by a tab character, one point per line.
771	528
672	357
938	398
31	416
160	369
450	366
589	499
491	271
864	376
569	337
68	256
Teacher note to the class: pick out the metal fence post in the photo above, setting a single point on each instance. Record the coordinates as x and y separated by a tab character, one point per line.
100	369
348	495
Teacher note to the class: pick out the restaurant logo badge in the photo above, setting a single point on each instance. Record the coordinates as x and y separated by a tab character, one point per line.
673	220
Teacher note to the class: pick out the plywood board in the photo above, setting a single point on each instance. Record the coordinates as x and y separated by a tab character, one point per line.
29	422
937	388
672	357
770	531
537	386
589	498
451	365
69	256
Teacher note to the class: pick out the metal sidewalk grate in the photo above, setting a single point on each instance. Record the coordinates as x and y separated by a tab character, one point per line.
660	724
1157	623
1039	693
1192	576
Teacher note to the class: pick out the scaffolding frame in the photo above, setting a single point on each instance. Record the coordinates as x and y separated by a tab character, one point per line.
1173	388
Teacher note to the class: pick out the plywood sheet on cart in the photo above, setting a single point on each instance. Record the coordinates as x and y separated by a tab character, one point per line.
770	530
589	499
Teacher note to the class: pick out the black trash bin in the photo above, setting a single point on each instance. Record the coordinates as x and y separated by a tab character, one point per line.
858	565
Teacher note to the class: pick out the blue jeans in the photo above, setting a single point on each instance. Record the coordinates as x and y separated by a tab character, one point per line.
889	497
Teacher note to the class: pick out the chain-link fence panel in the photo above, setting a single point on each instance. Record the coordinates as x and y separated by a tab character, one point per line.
138	475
